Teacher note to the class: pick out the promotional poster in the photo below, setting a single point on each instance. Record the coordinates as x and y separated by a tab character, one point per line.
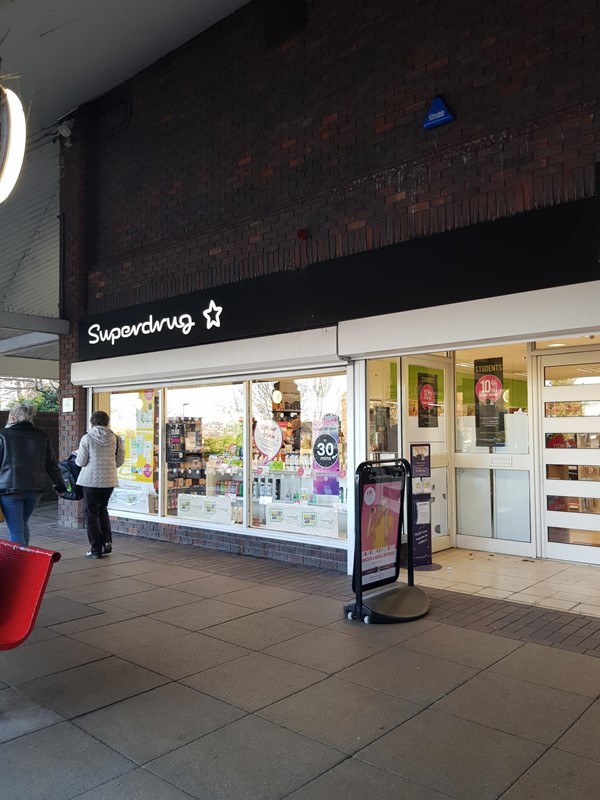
381	505
489	403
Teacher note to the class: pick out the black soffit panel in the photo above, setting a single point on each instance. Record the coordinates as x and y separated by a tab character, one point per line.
539	249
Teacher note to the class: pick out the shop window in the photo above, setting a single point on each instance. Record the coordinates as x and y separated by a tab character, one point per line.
204	453
134	416
382	391
299	455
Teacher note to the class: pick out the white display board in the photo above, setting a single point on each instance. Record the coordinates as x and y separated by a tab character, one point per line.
302	518
208	509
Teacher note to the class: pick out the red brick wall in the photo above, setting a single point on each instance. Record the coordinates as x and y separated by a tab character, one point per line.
206	164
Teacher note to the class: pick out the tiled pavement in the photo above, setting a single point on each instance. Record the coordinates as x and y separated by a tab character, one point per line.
164	672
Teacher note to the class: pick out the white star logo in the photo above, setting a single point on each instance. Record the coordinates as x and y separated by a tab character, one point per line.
213	315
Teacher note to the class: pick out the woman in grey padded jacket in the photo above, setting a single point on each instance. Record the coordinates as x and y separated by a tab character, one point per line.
99	455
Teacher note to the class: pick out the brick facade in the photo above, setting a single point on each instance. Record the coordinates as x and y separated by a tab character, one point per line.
202	169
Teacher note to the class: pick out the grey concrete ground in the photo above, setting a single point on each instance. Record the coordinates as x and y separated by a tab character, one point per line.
163	672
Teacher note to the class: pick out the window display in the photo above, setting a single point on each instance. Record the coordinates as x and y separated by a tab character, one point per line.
184	453
134	416
299	455
204	453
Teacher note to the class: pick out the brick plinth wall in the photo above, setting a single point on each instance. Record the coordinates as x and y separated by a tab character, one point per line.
309	555
200	170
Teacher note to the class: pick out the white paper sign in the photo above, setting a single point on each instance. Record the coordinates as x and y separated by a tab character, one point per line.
268	438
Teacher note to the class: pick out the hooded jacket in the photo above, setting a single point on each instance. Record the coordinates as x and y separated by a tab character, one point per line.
26	459
99	455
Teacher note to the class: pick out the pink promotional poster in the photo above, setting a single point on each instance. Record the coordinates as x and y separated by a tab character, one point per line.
380	521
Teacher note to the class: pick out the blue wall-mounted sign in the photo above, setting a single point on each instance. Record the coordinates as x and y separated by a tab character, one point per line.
438	114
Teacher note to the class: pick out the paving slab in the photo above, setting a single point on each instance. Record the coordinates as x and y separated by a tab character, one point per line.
261	597
172	575
259	630
44	658
582	738
201	614
106	590
83	689
188	654
458	758
56	608
355	780
558	776
312	609
254	681
515	706
550	666
325	650
59	762
136	785
344	717
384	634
122	636
20	715
144	727
250	759
215	585
153	600
467	647
417	677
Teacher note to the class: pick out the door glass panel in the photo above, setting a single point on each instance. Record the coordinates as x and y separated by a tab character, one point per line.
426	407
439	502
491	400
511	505
474	506
577	441
572	472
382	391
573	408
494	503
572	375
575	505
574	536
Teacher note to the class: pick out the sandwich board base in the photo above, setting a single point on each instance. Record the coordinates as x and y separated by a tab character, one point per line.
398	604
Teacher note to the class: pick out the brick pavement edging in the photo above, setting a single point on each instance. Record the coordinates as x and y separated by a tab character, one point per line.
562	629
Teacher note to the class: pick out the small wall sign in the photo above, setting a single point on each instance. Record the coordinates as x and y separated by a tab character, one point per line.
438	114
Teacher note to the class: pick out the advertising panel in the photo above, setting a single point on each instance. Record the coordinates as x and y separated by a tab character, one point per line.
381	495
489	403
428	400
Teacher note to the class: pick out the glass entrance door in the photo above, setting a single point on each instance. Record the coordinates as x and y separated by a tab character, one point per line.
427	404
571	456
492	457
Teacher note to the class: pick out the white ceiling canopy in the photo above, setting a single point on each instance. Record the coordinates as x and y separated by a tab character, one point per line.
57	55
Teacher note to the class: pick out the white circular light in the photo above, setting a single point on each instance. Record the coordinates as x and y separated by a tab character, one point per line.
277	396
12	140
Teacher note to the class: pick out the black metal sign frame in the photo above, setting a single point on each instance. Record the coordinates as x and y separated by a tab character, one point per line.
371	474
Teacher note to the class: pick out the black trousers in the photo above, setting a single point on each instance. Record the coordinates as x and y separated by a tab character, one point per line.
97	520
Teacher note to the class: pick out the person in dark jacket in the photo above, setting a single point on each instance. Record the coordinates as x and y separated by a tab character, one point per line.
26	459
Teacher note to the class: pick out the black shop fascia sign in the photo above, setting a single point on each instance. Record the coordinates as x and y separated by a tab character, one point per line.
539	249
